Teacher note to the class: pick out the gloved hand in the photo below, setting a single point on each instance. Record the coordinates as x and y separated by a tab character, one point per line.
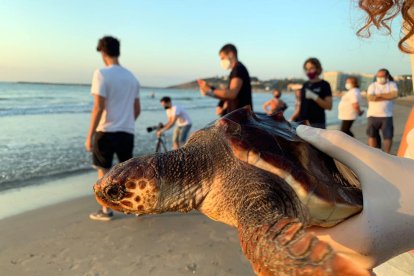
385	226
310	95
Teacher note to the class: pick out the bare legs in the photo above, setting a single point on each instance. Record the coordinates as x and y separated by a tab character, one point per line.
372	142
175	145
101	173
387	145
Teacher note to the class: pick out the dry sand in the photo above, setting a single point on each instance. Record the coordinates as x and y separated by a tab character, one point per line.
61	240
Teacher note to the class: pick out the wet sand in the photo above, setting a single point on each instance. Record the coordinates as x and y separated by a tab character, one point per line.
60	239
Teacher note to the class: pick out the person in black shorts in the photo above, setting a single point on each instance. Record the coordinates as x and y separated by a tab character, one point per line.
239	91
108	144
316	95
116	107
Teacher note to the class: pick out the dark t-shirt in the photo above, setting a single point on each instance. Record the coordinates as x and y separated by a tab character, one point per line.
245	94
309	109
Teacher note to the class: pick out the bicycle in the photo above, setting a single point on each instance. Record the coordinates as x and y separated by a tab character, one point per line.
161	145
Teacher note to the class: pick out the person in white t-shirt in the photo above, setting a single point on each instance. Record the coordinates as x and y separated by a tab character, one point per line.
348	107
176	116
380	97
115	109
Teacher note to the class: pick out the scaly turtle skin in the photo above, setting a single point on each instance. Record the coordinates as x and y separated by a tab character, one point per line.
252	172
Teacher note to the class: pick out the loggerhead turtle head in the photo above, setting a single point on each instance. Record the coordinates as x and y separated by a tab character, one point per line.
130	187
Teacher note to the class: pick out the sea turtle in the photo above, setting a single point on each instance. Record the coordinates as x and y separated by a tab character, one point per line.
252	172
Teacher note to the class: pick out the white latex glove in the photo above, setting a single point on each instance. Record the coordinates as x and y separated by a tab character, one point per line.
385	227
310	95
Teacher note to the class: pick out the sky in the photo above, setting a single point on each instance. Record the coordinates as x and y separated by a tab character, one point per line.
167	42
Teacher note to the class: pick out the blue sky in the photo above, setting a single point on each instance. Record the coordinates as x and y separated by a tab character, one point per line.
171	41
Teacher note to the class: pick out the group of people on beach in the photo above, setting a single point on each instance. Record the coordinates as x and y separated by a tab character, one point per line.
114	88
313	98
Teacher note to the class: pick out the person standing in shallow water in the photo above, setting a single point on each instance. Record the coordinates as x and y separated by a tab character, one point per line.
275	104
239	91
348	107
115	109
316	95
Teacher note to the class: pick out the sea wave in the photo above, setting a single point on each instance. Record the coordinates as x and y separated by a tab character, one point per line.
77	108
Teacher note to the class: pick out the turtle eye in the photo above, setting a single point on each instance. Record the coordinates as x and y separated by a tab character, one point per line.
115	192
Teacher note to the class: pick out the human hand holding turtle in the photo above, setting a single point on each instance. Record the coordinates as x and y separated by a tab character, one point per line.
385	226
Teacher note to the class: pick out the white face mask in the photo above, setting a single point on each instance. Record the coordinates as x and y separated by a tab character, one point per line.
382	80
225	64
348	86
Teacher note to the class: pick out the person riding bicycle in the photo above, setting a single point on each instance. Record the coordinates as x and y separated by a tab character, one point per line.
176	114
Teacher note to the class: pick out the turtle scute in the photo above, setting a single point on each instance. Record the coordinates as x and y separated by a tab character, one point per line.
328	189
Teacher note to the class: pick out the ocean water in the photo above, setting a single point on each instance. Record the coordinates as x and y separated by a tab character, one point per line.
43	127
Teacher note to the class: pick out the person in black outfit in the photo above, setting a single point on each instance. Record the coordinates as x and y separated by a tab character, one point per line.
239	91
316	95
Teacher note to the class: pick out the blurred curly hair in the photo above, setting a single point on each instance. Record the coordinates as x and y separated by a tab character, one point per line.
380	14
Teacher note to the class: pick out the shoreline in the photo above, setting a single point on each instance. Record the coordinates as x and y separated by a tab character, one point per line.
41	180
55	191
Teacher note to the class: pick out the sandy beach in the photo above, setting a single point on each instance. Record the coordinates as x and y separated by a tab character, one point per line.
60	239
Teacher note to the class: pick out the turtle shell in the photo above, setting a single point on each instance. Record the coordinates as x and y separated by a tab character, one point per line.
329	190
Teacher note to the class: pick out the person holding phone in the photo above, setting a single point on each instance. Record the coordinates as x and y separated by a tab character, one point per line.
239	91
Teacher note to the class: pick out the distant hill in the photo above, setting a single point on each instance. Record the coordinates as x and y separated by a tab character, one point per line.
257	85
53	83
214	81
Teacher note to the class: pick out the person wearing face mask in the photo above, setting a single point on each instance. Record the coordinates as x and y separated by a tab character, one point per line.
348	107
275	104
316	95
176	115
380	97
239	91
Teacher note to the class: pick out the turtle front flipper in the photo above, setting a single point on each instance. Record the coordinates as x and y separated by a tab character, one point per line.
286	248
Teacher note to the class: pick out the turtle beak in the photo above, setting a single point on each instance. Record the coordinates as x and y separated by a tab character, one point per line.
102	198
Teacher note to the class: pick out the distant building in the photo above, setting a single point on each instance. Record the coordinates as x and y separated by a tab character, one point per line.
294	86
365	80
337	80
